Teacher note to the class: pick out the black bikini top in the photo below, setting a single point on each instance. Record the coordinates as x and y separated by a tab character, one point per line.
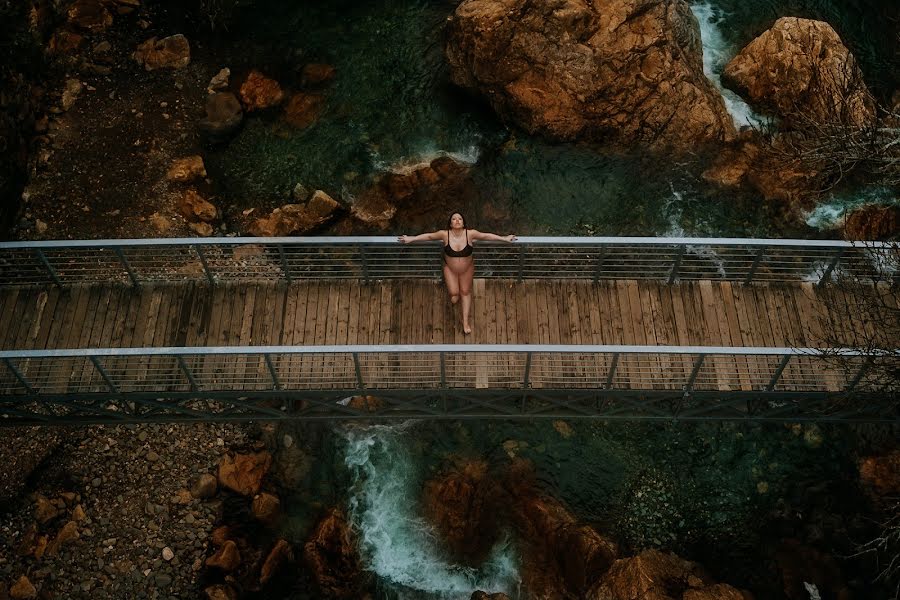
467	251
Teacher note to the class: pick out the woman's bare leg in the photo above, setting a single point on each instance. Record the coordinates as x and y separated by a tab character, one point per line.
465	290
452	281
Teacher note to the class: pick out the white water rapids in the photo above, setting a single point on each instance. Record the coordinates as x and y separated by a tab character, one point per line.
396	543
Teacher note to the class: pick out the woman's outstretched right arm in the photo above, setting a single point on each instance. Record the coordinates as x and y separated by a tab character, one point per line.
422	237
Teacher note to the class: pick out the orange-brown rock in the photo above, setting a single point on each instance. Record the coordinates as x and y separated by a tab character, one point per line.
718	591
90	15
562	557
220	591
767	167
416	199
44	510
366	403
201	228
243	473
227	557
800	564
627	71
330	555
303	110
194	207
462	504
259	92
801	67
219	535
266	508
224	116
64	42
297	219
280	555
187	170
67	534
872	223
316	74
173	52
479	595
880	476
651	575
23	589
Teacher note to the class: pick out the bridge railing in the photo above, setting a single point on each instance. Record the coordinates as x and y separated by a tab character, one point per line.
247	370
214	260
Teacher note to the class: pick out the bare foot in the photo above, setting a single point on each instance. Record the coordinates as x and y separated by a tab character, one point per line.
467	329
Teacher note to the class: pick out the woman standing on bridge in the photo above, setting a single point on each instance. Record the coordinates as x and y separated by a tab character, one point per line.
459	266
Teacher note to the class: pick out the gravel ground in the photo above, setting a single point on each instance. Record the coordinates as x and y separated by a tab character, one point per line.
131	483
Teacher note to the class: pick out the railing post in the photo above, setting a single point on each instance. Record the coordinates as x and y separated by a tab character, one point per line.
612	371
206	271
756	260
364	259
53	275
443	370
187	373
105	375
601	257
521	263
272	373
359	379
674	274
124	260
689	387
831	265
284	264
778	372
525	381
19	375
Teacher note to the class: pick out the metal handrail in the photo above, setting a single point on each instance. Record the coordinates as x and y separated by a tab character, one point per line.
135	262
249	369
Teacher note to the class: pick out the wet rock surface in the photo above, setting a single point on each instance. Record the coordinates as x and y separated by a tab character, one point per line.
626	71
332	557
800	67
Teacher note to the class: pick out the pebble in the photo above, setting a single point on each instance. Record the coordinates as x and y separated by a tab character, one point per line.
152	456
167	554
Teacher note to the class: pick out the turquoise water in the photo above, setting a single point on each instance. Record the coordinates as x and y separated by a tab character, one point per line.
701	490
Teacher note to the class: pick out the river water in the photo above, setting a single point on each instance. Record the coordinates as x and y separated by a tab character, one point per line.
700	490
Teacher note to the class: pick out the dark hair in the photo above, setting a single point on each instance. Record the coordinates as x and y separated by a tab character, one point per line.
450	219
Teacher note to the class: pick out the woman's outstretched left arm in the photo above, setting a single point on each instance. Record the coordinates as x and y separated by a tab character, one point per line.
490	237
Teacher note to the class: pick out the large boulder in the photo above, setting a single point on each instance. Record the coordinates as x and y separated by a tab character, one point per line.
872	223
562	556
880	477
226	558
654	575
224	116
801	67
463	504
195	207
331	556
610	70
172	52
278	556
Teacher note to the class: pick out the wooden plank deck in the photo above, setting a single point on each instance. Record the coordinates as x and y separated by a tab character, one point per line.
419	312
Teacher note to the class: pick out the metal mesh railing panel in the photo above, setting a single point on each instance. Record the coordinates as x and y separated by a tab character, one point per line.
253	259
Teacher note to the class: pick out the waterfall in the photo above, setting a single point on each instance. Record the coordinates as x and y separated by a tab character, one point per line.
396	543
716	54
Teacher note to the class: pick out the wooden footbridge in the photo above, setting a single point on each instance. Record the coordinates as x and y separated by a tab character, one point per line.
117	331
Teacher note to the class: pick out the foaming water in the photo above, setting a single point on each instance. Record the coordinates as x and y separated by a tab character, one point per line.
716	54
830	214
396	543
423	157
